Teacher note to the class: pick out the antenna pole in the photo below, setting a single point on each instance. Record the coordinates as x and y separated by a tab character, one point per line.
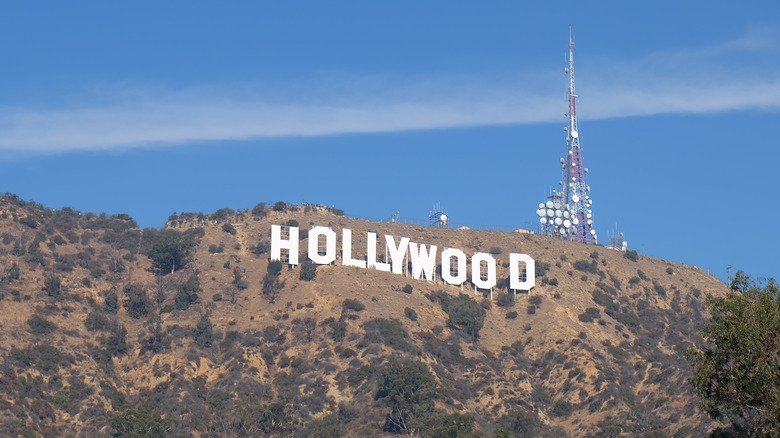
567	214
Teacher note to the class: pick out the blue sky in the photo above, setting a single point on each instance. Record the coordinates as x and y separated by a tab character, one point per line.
378	107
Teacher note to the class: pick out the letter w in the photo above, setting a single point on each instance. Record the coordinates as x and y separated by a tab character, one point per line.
423	262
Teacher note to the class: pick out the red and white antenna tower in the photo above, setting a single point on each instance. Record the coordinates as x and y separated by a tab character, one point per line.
566	214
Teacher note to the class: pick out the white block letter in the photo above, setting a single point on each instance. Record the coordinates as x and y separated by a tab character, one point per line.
476	265
371	256
277	244
515	282
314	245
397	253
423	262
346	249
446	263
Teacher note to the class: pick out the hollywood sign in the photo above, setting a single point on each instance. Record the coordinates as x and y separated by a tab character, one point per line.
419	259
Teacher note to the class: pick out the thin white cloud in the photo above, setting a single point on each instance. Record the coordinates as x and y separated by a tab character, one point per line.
693	82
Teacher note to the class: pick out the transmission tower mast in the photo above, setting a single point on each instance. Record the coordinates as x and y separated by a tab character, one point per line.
566	214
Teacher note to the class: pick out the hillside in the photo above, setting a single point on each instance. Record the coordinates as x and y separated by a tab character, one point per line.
99	338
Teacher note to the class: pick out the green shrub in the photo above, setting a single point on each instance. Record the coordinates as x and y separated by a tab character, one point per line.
605	300
522	423
407	289
589	315
214	249
188	293
464	313
353	304
561	408
442	424
40	325
97	321
262	247
143	421
259	209
229	228
238	279
338	329
110	301
137	302
631	254
53	286
280	206
204	332
410	313
628	319
511	315
274	267
272	287
391	331
59	400
308	270
505	300
584	266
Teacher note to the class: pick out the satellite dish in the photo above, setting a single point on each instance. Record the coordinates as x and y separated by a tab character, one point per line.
558	221
543	220
541	212
551	213
541	205
575	221
562	230
566	214
567	223
558	213
561	160
575	198
557	205
593	232
575	134
590	221
589	215
444	217
549	204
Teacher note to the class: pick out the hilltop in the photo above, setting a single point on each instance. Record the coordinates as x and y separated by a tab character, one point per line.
189	329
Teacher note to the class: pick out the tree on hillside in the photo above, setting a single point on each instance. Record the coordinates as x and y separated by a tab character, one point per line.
169	249
737	371
464	313
409	389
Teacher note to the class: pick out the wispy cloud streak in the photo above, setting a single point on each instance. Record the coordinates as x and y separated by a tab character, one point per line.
693	82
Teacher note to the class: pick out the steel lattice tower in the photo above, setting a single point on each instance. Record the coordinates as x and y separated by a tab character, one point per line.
566	214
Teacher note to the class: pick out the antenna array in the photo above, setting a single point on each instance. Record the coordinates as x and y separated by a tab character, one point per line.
567	213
